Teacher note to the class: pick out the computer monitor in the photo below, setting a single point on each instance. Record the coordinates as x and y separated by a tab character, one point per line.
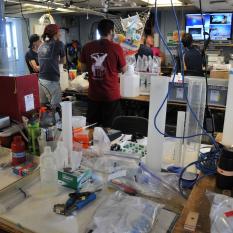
218	25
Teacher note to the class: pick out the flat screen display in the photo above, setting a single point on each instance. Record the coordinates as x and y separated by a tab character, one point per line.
218	25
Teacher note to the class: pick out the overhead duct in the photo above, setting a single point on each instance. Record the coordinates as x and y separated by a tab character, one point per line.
3	45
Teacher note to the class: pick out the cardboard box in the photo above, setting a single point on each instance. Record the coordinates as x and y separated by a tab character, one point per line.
222	74
19	95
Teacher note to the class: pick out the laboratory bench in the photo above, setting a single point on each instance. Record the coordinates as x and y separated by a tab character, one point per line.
139	106
197	202
35	215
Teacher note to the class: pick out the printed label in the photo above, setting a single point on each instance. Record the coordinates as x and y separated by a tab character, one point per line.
18	155
179	93
29	102
214	96
229	214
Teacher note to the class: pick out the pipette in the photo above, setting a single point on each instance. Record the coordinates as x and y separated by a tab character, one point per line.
77	130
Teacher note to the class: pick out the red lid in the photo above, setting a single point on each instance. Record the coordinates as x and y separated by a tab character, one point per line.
43	109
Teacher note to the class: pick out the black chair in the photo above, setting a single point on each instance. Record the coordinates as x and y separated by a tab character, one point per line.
131	125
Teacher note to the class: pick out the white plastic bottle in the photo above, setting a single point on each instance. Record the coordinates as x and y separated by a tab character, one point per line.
61	156
48	172
129	83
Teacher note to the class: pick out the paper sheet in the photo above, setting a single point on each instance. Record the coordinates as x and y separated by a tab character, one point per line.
29	102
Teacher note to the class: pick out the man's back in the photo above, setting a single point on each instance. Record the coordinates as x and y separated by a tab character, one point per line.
49	54
104	60
193	61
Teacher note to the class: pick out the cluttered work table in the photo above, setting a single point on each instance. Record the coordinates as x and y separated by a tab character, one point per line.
34	214
24	209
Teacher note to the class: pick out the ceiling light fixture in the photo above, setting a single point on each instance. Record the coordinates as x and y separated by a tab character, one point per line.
63	9
35	5
164	3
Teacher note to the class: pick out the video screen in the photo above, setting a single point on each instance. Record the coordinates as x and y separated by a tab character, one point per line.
217	25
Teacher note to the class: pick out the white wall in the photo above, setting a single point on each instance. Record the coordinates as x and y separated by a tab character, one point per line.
168	24
79	26
19	66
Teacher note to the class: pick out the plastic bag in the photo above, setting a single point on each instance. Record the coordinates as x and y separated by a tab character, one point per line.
80	83
164	185
64	78
101	141
46	19
125	214
96	183
109	164
221	213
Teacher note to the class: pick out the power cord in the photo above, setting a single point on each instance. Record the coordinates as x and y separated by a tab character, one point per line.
207	162
208	119
50	95
26	22
174	72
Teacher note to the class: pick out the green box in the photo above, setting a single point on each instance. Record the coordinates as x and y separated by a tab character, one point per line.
74	180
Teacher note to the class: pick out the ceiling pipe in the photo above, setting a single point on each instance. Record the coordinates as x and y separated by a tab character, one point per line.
56	5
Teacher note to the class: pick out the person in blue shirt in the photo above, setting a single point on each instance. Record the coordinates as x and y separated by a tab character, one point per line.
193	59
50	54
31	57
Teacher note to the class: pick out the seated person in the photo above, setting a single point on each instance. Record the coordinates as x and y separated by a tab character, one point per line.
145	48
148	49
193	60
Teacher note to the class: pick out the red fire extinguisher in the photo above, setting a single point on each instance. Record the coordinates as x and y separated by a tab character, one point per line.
18	151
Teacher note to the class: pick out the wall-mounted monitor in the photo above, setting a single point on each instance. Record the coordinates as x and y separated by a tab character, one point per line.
218	25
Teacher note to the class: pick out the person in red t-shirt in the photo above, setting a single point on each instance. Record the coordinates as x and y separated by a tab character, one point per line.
103	60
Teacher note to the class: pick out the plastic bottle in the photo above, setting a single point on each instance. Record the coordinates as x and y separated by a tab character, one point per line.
139	64
33	133
129	83
61	156
156	65
47	118
48	172
18	151
145	63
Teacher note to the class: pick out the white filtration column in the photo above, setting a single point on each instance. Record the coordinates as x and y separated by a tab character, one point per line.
179	133
67	133
227	139
195	111
158	91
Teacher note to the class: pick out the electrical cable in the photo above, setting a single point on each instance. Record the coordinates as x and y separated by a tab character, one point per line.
50	95
207	162
26	22
205	45
174	72
203	25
